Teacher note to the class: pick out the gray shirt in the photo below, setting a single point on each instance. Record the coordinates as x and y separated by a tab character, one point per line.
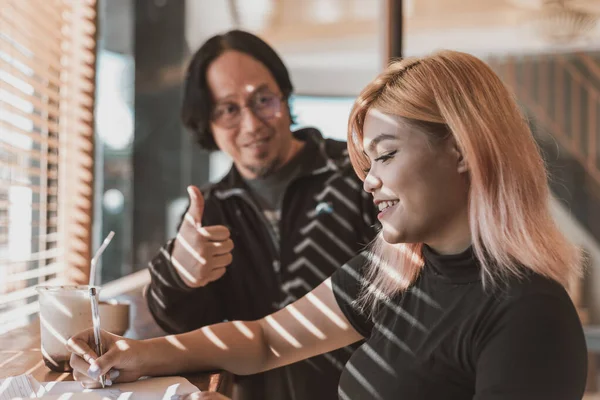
269	191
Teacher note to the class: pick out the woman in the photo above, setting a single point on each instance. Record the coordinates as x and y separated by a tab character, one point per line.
462	295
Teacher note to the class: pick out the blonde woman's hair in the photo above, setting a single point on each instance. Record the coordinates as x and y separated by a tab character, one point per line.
511	225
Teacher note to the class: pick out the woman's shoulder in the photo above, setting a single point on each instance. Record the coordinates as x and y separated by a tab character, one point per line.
530	296
530	285
533	304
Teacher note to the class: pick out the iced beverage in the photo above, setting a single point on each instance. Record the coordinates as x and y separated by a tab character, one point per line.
64	311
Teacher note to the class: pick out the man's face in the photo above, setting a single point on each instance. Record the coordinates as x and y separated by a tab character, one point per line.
250	119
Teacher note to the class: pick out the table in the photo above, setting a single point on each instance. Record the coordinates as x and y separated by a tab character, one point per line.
20	350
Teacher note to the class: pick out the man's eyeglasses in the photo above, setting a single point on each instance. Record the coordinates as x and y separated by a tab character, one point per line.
265	105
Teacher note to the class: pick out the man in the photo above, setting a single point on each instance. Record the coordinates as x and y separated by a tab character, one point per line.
286	216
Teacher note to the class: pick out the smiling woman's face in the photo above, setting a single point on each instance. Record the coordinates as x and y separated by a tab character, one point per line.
419	184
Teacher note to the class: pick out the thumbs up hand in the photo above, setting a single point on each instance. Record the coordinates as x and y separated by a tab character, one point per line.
200	253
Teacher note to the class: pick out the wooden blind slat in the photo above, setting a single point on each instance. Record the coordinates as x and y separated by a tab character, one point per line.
30	171
39	122
47	72
38	272
17	295
34	188
50	206
42	89
40	105
45	48
27	14
31	9
52	12
33	153
52	222
47	238
20	312
35	136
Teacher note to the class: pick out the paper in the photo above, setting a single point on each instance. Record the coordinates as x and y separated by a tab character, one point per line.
16	387
164	388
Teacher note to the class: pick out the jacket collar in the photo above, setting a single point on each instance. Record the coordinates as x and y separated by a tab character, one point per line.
325	158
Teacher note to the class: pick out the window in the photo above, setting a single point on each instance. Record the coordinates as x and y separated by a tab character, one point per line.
47	54
328	114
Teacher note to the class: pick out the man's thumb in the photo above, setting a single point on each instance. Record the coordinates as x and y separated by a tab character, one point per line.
196	204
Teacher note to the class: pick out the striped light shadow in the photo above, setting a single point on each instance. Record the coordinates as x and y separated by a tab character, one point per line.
41	391
391	271
170	392
122	345
283	332
48	387
347	298
377	359
363	381
398	310
34	368
342	395
60	306
210	335
313	365
62	377
393	338
4	387
336	363
49	358
51	330
313	213
382	297
190	220
306	323
180	268
333	237
424	297
326	310
156	297
324	253
243	329
275	352
11	359
175	342
190	249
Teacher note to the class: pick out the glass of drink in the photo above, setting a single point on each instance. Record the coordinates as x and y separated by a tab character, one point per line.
64	311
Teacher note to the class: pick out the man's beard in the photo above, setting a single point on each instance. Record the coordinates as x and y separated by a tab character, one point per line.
265	169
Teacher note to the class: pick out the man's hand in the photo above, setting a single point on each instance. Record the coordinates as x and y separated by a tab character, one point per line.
200	254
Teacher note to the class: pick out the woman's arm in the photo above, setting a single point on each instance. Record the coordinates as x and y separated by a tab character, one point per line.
311	326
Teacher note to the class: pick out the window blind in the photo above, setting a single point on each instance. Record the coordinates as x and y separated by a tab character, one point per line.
47	65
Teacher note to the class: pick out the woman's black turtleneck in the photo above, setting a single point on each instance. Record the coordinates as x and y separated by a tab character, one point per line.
448	338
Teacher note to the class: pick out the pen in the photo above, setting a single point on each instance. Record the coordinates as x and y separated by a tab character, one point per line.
96	326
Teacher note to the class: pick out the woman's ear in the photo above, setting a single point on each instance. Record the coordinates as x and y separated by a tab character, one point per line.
462	166
461	163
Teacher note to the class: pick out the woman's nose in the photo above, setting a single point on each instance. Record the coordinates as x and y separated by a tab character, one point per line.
371	182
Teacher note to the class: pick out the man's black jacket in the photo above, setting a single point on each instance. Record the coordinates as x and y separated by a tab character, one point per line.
326	218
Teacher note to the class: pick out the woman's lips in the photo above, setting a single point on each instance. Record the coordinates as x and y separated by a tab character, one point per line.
386	210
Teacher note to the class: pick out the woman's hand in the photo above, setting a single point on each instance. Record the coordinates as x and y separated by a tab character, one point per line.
121	362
